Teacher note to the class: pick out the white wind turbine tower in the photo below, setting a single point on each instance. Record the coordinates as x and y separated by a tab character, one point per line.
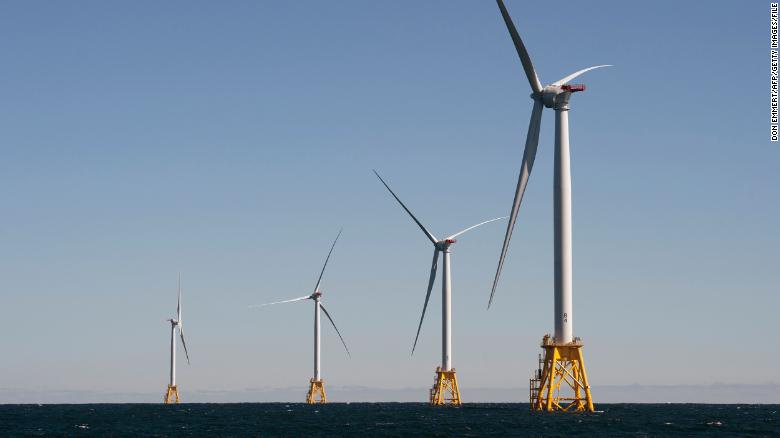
172	393
563	360
316	392
445	389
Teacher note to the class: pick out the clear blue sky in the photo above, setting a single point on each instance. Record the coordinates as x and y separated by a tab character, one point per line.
230	141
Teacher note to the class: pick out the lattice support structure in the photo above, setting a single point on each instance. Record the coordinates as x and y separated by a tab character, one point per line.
562	383
316	392
445	389
171	395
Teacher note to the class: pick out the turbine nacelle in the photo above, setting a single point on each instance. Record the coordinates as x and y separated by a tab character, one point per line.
316	296
557	96
573	87
444	244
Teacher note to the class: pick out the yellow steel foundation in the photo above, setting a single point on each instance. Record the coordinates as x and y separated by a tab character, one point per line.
171	395
445	389
316	392
561	383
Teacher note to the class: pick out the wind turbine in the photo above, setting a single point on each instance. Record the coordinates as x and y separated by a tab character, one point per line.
172	393
563	353
446	380
316	392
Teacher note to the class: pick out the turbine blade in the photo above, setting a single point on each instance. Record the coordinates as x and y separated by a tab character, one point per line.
317	287
178	303
337	329
427	233
281	302
536	86
577	73
434	267
184	344
475	226
531	142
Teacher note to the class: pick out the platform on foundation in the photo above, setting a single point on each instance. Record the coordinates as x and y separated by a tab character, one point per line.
316	392
171	395
445	389
561	383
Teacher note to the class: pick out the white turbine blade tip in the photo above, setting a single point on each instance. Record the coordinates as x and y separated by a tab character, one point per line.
281	302
475	226
578	73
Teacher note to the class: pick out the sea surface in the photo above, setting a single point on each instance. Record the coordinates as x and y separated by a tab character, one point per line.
384	419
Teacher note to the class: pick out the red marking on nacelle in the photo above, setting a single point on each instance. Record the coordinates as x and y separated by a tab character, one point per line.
450	241
573	87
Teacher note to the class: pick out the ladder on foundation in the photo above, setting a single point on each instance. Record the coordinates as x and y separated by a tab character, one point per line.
534	383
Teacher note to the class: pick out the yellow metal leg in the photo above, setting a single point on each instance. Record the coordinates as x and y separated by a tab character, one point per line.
445	389
577	388
552	371
563	385
316	392
586	385
171	395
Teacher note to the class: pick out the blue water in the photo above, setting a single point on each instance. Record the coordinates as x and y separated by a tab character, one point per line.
384	419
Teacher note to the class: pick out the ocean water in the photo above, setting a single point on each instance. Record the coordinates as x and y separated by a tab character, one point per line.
384	419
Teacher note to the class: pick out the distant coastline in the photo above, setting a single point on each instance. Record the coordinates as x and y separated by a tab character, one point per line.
712	393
